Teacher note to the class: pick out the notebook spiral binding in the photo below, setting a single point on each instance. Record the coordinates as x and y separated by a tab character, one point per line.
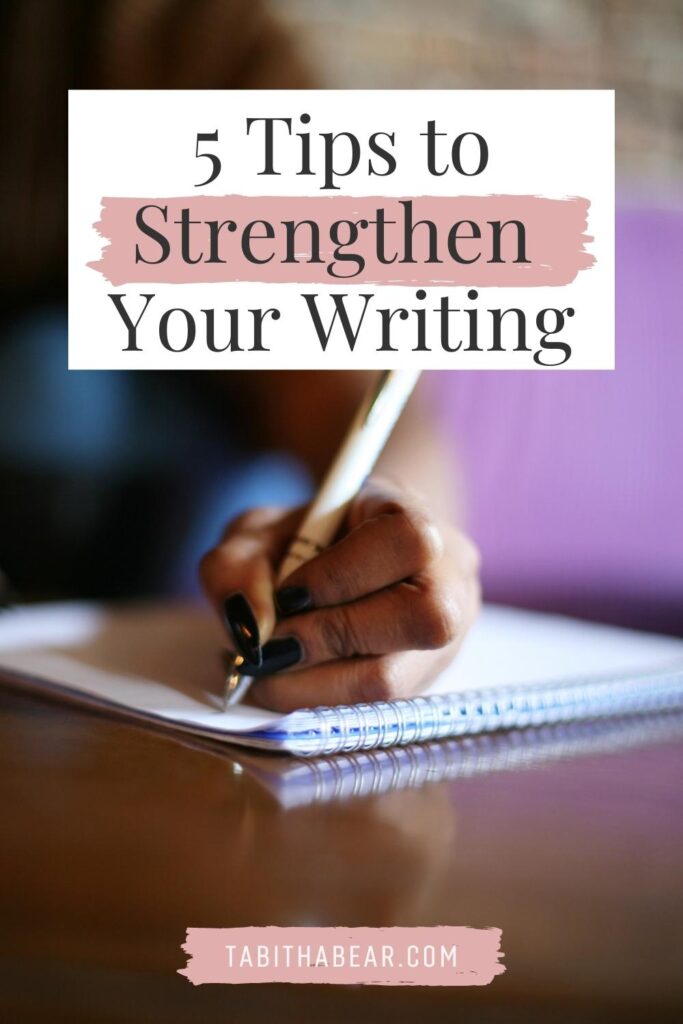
335	730
370	773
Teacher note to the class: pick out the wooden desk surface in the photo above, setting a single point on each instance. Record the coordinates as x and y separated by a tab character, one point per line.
116	838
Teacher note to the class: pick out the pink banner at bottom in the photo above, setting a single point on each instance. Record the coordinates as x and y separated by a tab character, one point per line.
343	956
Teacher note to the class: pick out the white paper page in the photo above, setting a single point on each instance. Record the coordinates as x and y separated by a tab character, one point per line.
165	661
508	646
160	661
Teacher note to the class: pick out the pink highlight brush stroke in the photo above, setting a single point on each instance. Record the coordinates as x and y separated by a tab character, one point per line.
555	240
216	956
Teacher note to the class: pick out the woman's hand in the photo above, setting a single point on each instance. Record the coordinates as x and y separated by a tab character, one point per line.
375	616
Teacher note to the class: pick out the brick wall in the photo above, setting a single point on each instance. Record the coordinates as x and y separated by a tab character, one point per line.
634	46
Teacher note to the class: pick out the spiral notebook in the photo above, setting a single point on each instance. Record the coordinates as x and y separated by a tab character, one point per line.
299	782
516	669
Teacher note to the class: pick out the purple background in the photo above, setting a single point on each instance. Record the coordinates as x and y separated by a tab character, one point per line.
575	479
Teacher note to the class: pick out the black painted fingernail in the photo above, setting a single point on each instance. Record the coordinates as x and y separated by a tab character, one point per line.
241	621
289	600
282	652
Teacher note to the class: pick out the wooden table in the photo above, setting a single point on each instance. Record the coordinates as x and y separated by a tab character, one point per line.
116	838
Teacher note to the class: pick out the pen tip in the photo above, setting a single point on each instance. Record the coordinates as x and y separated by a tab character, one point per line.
236	685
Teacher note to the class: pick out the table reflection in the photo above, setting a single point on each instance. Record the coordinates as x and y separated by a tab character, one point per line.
296	781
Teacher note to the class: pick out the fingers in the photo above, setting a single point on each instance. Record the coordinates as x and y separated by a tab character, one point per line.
352	681
238	575
395	539
370	618
423	614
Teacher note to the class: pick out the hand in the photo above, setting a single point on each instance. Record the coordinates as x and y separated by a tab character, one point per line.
375	616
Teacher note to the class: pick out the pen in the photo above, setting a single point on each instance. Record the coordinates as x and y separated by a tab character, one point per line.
369	432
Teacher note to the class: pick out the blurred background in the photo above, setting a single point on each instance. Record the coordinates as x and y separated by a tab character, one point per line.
633	47
114	484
